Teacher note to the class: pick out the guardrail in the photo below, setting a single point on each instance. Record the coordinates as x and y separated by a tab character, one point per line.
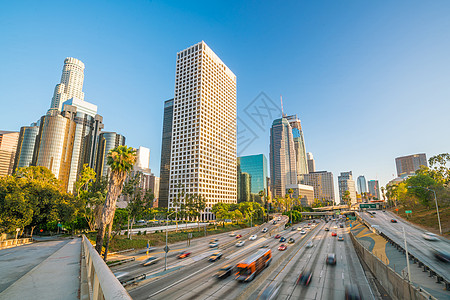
14	242
97	280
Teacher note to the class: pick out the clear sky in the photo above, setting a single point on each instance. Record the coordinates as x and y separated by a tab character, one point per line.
370	80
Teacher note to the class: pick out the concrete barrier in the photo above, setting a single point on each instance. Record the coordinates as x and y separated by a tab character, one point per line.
13	242
97	280
392	282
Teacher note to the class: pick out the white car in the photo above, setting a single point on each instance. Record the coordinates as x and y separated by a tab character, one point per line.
302	232
232	234
264	230
430	236
240	244
253	237
309	244
299	229
213	244
335	227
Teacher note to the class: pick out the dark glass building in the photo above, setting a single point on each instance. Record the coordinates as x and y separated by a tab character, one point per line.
107	141
25	146
166	147
256	167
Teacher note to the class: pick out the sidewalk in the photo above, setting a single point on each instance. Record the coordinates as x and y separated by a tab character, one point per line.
57	277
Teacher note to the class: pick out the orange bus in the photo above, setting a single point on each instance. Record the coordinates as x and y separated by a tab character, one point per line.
250	267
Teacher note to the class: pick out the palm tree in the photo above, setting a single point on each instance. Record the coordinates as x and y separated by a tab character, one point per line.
121	161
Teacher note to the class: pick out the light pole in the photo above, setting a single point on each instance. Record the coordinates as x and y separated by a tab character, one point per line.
435	201
167	227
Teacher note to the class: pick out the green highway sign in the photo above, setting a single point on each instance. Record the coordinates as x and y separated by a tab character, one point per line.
338	212
408	211
368	206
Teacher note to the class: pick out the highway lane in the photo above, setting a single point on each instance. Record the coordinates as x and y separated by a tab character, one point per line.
328	282
417	245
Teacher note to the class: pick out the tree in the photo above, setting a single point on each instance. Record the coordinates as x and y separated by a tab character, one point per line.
132	194
121	160
86	176
415	183
93	200
346	198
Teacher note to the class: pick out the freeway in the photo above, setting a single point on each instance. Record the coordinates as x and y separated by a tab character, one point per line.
328	281
417	245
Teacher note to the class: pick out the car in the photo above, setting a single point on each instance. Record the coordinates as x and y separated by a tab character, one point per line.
302	232
150	260
299	229
224	272
274	222
253	237
335	227
279	219
215	256
282	247
340	238
309	244
293	229
305	277
306	228
333	234
120	275
213	240
393	221
430	236
240	244
326	229
183	254
282	239
271	292
277	236
441	255
341	226
264	230
374	213
309	224
264	246
291	241
238	236
352	292
331	259
232	234
213	244
314	221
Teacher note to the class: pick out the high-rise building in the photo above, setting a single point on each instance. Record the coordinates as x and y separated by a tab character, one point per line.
299	146
283	163
302	191
374	188
244	188
25	146
311	162
408	165
166	147
256	167
107	142
142	158
54	143
361	183
203	155
71	83
346	183
323	184
8	147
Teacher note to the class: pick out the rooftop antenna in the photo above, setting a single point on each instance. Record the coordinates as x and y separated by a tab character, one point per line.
282	113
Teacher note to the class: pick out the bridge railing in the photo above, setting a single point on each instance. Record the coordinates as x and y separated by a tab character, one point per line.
97	280
14	242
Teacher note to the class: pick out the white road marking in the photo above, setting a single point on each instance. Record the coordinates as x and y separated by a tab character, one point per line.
342	275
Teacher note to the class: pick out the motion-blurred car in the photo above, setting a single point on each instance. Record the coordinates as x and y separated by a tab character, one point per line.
240	244
331	259
441	255
305	277
393	221
309	244
279	219
253	237
302	232
293	229
282	247
120	275
277	236
291	241
271	292
335	227
299	229
430	236
309	224
333	234
224	272
215	256
326	229
238	236
150	260
341	226
282	239
340	238
264	246
213	244
232	234
352	292
264	230
274	222
184	254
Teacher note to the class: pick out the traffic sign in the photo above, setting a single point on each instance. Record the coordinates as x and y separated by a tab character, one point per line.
166	249
190	235
368	206
408	211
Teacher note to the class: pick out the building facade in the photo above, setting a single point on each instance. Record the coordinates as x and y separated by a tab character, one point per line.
203	150
408	165
142	158
311	162
8	147
323	184
166	147
361	184
256	167
107	142
25	146
304	192
374	188
283	163
299	146
346	183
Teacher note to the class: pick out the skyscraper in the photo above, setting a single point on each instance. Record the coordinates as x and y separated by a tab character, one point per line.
374	188
408	165
8	147
346	183
25	146
166	146
283	163
256	167
362	186
203	155
71	83
311	162
299	146
142	158
323	184
107	142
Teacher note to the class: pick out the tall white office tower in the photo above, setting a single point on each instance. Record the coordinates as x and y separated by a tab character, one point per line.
203	150
71	83
299	146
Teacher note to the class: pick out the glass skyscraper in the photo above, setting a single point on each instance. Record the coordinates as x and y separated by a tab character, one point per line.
256	167
299	146
166	146
25	146
361	184
107	142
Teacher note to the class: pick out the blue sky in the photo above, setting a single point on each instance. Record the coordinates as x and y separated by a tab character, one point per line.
368	79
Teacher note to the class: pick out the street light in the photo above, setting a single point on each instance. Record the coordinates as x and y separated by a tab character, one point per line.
435	200
167	227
